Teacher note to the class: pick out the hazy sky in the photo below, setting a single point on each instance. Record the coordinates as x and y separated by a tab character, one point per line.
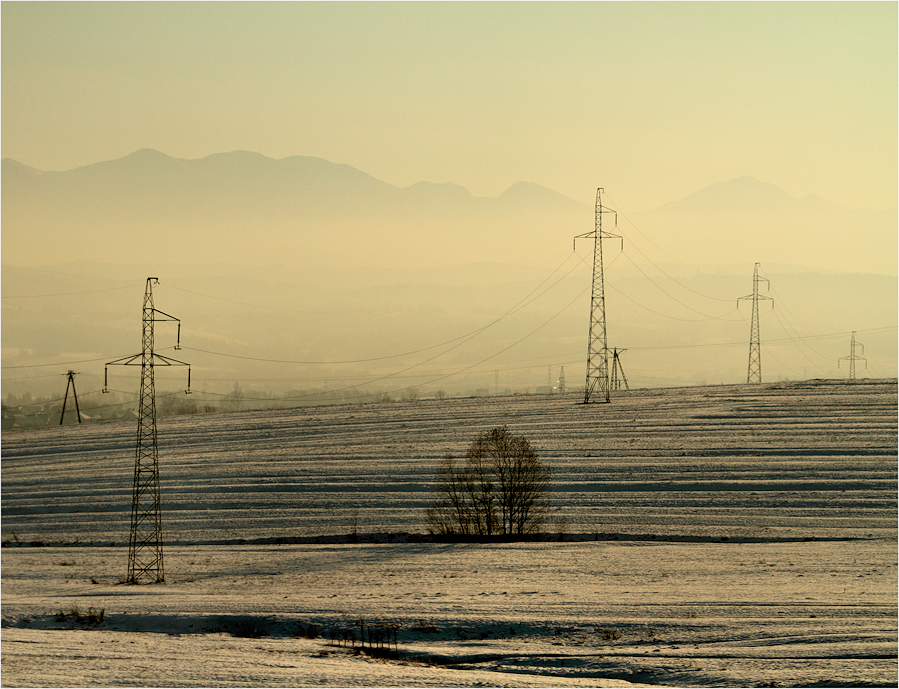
651	101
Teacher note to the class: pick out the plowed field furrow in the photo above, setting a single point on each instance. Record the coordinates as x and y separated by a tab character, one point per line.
812	459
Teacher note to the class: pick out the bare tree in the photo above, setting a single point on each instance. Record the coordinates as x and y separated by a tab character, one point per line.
451	512
501	489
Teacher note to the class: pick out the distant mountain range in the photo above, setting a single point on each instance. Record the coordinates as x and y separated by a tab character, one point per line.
243	206
247	207
249	183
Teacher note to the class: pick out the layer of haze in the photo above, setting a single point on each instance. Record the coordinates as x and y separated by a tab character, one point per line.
652	100
266	161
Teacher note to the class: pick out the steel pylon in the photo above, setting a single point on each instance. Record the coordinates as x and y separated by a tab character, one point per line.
145	553
853	357
597	348
754	372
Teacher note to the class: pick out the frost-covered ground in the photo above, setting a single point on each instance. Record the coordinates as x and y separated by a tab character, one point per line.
746	536
677	614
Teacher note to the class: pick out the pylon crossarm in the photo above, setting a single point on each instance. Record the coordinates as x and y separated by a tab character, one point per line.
125	361
168	317
751	296
166	361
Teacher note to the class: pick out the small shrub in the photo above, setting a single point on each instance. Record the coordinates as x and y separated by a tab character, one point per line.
91	618
94	617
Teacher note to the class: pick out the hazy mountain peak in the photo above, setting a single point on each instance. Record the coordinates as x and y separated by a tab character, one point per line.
738	194
146	154
14	167
442	189
238	156
531	191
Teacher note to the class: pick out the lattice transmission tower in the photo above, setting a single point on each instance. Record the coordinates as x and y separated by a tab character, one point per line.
145	557
754	373
597	349
853	357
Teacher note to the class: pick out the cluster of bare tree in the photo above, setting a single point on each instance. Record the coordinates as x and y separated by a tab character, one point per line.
376	636
500	488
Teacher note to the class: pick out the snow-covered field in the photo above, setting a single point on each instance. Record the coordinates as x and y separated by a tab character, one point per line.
725	536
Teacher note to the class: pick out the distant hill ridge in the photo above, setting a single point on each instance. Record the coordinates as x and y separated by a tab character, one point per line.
747	193
243	204
248	170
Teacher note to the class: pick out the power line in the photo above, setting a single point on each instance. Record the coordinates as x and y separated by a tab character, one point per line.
634	225
675	318
429	382
788	314
52	401
657	267
514	344
797	341
671	296
522	303
767	341
87	410
658	313
64	294
525	301
56	363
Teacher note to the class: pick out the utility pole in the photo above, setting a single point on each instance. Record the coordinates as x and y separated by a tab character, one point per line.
562	381
145	559
597	349
754	373
616	369
853	357
70	383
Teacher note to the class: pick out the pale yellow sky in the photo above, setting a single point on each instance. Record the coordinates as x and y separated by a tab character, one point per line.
650	100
